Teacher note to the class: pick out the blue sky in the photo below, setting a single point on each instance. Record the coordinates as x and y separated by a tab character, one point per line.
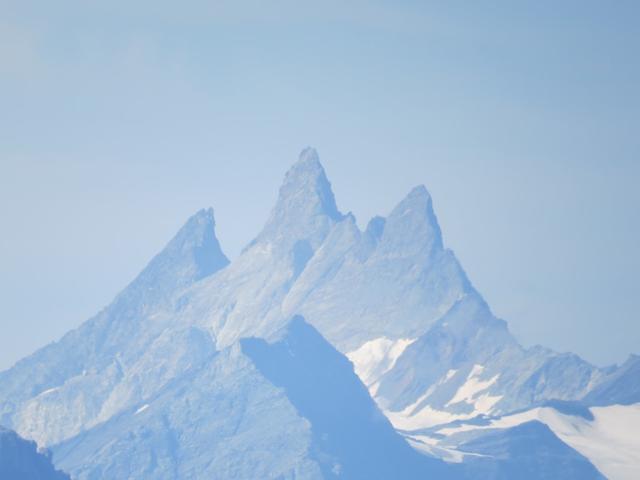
118	121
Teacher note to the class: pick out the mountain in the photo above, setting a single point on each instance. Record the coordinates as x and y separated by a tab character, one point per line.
119	356
351	437
622	386
527	451
605	436
174	378
291	408
468	364
21	460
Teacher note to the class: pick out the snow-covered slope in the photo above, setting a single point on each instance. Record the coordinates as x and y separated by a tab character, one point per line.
375	358
527	451
607	436
163	360
469	364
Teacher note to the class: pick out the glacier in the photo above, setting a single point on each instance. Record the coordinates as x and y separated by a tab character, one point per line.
195	370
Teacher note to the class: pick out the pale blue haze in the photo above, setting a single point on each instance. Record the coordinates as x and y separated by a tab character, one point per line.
119	121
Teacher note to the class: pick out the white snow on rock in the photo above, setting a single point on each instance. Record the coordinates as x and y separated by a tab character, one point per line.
470	391
376	357
408	419
473	386
49	390
418	415
610	441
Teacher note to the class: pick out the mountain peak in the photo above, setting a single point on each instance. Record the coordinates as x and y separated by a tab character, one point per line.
192	254
413	224
306	185
306	206
419	193
208	256
308	157
196	246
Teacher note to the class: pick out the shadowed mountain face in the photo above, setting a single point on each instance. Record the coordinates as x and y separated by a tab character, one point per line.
290	409
157	385
220	418
351	437
20	460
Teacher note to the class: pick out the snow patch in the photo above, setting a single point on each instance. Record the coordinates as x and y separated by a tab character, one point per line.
50	390
414	418
470	391
376	357
408	419
449	375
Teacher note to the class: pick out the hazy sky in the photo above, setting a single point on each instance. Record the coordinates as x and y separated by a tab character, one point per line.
120	119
